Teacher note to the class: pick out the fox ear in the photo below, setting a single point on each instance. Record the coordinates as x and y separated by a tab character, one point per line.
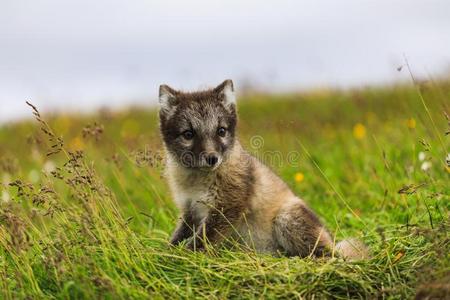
167	98
226	92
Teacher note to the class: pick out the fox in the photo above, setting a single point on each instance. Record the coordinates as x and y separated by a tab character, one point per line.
223	192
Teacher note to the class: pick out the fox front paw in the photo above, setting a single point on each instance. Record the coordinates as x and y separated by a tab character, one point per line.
194	244
174	241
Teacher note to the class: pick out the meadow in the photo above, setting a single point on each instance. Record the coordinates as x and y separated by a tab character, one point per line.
85	211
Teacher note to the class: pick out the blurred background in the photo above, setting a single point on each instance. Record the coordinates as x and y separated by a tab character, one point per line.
81	55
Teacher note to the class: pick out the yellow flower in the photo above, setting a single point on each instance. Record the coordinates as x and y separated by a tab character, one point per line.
359	131
76	144
411	123
299	177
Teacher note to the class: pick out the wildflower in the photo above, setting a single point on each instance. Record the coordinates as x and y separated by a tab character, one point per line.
49	167
6	178
36	155
426	165
299	177
411	123
5	196
422	156
399	256
359	131
76	144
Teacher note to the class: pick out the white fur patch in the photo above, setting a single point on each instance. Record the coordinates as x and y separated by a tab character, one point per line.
197	196
230	96
164	101
167	100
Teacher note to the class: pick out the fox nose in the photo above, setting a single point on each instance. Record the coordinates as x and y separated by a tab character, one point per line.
212	159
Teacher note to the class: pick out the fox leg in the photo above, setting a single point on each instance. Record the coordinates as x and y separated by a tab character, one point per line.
216	226
299	232
187	224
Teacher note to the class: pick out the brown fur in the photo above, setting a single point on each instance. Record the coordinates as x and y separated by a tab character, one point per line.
313	238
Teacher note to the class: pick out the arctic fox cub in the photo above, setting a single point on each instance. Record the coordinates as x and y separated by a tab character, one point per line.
225	193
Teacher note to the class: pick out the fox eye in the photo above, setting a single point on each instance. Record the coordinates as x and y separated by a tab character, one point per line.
221	131
188	134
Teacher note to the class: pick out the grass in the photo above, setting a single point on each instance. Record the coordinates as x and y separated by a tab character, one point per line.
85	211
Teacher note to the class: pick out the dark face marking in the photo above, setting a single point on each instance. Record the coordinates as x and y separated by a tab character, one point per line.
200	129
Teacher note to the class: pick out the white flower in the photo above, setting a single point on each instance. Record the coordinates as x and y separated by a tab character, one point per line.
447	159
6	178
35	154
422	156
5	196
49	167
426	165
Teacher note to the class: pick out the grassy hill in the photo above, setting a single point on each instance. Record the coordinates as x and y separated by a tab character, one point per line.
85	211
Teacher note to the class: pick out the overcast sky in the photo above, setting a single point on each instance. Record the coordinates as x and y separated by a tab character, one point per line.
80	54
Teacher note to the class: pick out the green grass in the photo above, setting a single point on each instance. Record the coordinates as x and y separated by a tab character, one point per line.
97	227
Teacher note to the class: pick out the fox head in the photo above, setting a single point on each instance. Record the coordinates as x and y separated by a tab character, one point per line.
198	128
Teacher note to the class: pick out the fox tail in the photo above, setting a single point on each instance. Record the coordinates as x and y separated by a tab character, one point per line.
352	249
